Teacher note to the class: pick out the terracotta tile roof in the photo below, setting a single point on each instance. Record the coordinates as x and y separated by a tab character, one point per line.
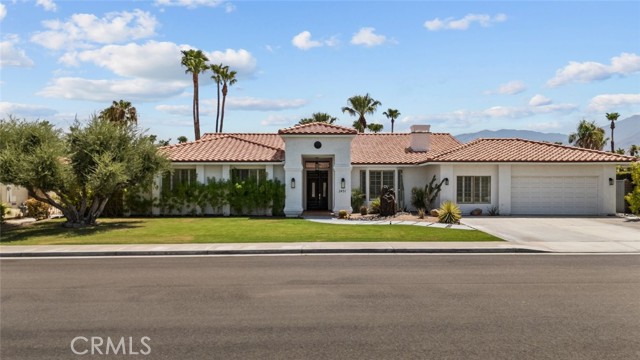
394	148
229	148
520	150
317	128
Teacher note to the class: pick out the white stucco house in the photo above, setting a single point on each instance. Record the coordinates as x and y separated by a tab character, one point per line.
320	164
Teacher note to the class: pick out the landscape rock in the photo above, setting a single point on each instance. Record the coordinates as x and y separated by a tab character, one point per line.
476	212
387	202
434	212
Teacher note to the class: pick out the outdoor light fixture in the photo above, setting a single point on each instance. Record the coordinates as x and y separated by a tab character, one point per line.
343	183
446	181
610	181
293	183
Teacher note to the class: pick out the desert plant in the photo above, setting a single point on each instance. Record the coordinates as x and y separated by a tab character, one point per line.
343	214
431	191
449	213
420	213
633	198
363	210
37	209
493	211
4	209
374	207
417	198
357	198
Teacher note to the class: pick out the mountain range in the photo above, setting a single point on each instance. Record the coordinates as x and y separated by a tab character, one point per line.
627	133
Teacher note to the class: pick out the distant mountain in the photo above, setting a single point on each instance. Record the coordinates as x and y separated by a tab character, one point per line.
510	133
627	132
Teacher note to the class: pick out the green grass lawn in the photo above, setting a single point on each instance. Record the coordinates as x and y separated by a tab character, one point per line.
223	230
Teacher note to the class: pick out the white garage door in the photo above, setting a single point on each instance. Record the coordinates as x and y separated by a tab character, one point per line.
554	195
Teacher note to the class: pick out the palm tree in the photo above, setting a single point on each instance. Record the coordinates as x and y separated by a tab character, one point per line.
391	114
318	117
196	62
120	112
360	106
182	139
375	128
588	136
634	150
228	78
217	69
612	117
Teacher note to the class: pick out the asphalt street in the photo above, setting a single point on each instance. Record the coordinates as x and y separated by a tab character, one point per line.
323	307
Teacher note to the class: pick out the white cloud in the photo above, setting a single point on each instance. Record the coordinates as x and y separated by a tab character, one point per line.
543	126
608	102
538	100
278	120
48	5
3	11
25	110
108	90
250	103
206	109
240	60
303	41
585	72
191	4
464	23
510	88
229	7
365	36
85	30
10	55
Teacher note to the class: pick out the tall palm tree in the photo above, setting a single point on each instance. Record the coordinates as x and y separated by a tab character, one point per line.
634	150
361	106
588	136
318	117
391	114
196	62
375	128
612	117
121	112
228	79
217	69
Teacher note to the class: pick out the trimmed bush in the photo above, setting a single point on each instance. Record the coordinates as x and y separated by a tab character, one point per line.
374	207
343	214
357	198
449	213
363	210
37	209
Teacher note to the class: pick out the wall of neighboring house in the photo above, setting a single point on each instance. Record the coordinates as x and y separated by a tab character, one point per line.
13	195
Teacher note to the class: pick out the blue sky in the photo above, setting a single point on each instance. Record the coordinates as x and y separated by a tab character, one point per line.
459	66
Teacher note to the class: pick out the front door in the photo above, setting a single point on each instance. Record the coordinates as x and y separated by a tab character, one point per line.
317	190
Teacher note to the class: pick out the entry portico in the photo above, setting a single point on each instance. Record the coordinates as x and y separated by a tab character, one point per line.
317	168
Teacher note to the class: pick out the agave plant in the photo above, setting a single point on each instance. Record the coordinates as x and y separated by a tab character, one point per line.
449	213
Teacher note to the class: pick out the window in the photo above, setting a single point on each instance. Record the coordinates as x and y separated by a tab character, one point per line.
378	179
179	177
363	181
239	175
473	189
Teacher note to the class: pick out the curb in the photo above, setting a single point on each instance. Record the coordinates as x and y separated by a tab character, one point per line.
270	252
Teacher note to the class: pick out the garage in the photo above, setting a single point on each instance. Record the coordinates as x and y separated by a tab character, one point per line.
554	195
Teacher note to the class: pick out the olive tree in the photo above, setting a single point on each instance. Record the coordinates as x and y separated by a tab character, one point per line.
77	172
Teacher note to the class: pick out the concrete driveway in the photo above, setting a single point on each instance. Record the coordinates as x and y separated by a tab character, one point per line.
564	234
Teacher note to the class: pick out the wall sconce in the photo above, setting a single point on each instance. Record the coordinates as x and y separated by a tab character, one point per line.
446	181
611	181
293	183
343	183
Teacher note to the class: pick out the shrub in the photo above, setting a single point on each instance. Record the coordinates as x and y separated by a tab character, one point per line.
363	210
37	209
493	211
357	198
449	213
417	198
633	198
4	209
343	214
420	213
374	207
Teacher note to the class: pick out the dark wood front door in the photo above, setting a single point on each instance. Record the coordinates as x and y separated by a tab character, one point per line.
317	190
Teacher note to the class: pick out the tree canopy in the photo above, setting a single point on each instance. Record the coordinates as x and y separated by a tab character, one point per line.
77	172
120	112
588	136
360	106
318	117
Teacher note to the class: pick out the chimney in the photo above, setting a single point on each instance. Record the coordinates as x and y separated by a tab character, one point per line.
420	137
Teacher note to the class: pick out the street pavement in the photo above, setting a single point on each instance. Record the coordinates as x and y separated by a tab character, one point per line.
523	306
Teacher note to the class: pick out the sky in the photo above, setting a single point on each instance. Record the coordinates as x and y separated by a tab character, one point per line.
458	66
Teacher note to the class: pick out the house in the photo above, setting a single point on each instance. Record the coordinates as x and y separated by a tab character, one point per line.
13	195
320	164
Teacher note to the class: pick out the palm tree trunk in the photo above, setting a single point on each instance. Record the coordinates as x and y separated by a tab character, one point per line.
196	108
392	121
224	100
363	123
218	110
613	126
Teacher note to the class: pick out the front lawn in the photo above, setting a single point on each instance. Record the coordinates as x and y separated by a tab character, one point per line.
223	230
